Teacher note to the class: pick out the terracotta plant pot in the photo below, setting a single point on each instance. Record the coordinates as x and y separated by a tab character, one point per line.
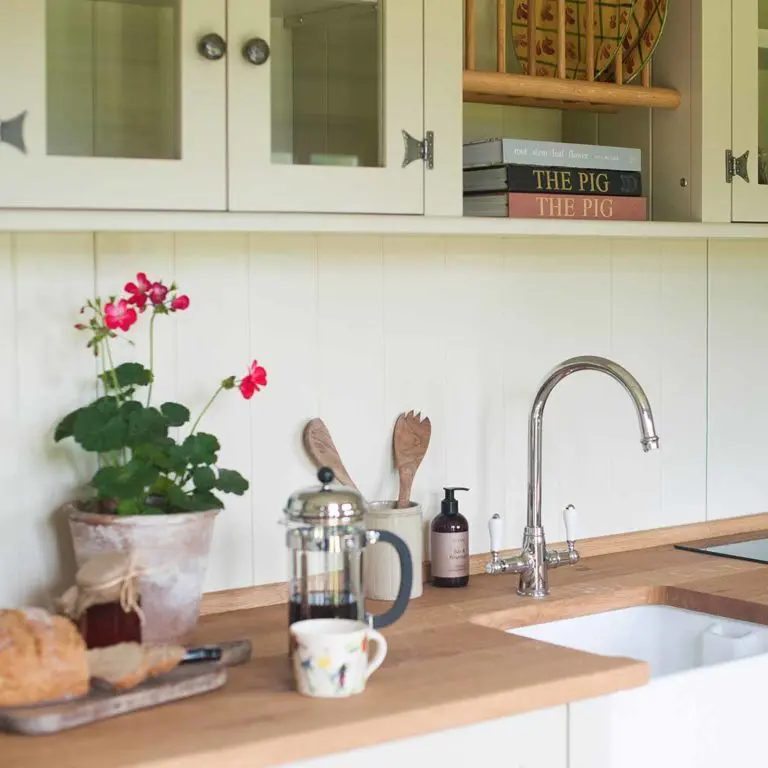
172	549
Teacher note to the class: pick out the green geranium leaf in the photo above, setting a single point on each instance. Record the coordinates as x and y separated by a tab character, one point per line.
99	427
128	482
201	448
202	501
66	426
179	499
203	478
128	507
177	458
159	453
130	406
230	481
146	425
177	415
161	486
128	375
106	480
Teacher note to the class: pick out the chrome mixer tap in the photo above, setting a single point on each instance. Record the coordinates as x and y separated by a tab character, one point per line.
534	560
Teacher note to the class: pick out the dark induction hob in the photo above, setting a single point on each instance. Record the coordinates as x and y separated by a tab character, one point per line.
755	550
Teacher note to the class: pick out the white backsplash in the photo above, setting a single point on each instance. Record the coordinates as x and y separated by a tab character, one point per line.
356	329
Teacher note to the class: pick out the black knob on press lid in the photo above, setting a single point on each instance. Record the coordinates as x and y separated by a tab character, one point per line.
450	504
325	475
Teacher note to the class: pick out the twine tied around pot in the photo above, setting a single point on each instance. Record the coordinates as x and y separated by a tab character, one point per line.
107	578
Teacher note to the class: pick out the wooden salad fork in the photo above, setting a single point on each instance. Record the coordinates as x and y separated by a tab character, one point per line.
410	441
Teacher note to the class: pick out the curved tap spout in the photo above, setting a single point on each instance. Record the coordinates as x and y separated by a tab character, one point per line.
649	439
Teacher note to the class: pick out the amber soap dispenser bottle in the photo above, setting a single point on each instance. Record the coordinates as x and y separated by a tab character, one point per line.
449	544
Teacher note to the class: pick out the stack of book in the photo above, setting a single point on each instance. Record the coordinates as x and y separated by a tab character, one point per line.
522	179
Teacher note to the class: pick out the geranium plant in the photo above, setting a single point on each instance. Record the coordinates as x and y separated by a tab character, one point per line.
149	461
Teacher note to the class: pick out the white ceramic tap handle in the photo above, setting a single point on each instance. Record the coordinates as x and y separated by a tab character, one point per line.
495	527
569	516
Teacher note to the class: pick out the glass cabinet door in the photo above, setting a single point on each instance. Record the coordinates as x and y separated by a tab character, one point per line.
320	94
750	108
113	104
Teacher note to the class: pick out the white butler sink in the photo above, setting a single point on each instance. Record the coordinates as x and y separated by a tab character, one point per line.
670	640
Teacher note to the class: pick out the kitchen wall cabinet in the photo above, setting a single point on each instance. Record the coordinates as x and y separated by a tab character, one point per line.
716	54
749	107
319	125
242	105
109	105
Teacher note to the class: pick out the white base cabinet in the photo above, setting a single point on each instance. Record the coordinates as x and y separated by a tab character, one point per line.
531	740
706	718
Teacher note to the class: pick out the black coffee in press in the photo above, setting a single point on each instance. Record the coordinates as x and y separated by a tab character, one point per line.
322	605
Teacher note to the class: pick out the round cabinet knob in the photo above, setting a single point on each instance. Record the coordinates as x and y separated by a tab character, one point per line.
256	51
212	47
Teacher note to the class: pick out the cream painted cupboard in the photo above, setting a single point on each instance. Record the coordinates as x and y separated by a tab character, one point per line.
535	739
710	156
241	105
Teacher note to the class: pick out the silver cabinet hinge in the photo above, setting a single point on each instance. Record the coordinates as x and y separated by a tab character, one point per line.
419	150
736	166
12	132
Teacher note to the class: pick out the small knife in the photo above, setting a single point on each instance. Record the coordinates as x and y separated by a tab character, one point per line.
228	654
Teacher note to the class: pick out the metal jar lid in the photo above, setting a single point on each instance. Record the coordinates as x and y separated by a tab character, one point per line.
330	504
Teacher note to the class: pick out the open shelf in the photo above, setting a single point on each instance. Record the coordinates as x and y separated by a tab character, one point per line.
537	91
532	90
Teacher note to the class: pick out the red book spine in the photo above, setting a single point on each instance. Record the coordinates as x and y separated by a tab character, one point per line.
530	205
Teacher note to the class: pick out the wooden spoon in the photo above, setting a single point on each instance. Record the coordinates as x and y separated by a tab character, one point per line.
322	451
410	442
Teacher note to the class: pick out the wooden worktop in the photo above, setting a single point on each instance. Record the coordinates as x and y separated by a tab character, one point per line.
448	665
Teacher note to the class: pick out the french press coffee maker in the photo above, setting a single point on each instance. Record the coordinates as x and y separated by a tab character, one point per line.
326	537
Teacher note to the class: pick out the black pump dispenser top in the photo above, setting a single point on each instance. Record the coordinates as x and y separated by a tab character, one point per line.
450	504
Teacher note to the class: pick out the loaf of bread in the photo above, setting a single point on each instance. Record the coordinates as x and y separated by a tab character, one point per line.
125	665
42	658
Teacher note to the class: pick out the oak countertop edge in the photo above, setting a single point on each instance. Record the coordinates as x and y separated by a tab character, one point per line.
456	713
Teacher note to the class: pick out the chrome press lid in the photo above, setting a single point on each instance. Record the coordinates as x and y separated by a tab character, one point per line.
328	504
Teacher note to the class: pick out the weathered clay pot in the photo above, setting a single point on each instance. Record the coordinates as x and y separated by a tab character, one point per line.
173	551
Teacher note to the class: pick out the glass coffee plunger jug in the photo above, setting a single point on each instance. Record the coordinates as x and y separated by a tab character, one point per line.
326	537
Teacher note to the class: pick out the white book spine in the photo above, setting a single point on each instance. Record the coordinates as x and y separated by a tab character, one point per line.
545	153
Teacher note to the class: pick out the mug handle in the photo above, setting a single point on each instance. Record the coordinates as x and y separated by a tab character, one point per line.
406	581
381	652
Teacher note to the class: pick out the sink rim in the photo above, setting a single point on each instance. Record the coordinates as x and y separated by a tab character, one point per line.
670	646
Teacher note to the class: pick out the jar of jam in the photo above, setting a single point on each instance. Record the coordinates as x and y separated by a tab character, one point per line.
105	602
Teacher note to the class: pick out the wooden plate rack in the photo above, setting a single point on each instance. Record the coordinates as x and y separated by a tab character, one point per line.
507	88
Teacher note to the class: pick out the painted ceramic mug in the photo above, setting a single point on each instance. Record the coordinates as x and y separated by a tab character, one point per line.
330	656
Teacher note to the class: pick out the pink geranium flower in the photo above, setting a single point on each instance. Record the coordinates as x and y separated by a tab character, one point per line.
157	293
138	290
119	315
253	381
179	303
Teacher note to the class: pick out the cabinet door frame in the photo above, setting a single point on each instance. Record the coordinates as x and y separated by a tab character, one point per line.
749	201
256	184
197	181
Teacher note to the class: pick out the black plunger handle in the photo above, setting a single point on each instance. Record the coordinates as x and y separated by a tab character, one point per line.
406	581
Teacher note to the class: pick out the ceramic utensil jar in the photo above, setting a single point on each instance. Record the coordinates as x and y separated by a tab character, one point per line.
326	536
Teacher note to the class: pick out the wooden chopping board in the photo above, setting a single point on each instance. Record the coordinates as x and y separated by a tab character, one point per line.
103	702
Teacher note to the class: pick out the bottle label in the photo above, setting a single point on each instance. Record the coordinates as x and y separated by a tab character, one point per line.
450	554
